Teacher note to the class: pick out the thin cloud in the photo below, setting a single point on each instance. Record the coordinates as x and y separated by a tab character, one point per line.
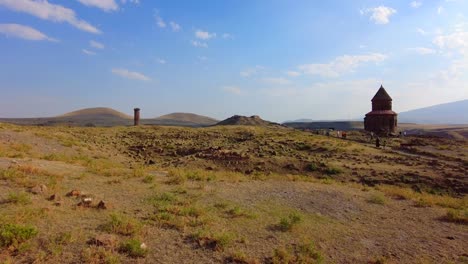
130	74
341	65
88	52
422	50
106	5
205	35
199	44
379	15
159	20
293	73
24	32
251	71
227	36
96	45
175	27
51	12
233	90
416	4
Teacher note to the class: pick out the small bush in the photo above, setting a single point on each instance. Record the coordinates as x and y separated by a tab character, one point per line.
457	216
134	248
216	241
176	178
123	225
312	167
333	171
148	179
14	235
302	253
288	223
377	198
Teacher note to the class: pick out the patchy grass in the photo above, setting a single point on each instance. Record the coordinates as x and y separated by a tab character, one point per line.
423	199
21	198
122	225
302	253
377	198
289	222
213	240
456	216
12	235
134	248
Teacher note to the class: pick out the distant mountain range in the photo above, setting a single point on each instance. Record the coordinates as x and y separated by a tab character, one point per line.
103	116
449	113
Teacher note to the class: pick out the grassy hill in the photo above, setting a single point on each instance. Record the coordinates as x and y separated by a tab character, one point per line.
181	119
95	113
238	120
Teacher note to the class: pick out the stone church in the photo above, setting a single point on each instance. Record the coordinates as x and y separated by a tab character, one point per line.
381	119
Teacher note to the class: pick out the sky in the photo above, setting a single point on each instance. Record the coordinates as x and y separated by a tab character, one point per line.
282	60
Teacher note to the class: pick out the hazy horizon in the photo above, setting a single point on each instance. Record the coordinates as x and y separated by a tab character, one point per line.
280	60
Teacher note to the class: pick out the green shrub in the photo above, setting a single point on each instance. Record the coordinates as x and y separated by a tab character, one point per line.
457	216
377	198
148	179
288	223
123	225
312	167
134	248
333	171
14	235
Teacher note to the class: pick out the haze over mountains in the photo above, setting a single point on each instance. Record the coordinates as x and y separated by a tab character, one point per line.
449	113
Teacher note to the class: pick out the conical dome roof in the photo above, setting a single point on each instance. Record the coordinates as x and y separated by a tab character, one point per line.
382	95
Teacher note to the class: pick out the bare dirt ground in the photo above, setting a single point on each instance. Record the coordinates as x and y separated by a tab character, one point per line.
228	195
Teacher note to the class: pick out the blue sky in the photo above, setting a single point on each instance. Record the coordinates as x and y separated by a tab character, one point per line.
281	60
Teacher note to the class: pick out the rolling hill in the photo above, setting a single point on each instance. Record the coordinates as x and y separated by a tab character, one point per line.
449	113
95	113
181	119
245	121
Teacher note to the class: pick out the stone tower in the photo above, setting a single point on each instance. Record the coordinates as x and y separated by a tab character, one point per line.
136	116
381	119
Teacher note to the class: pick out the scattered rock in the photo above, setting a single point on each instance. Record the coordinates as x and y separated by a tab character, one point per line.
102	205
39	189
74	193
85	202
143	246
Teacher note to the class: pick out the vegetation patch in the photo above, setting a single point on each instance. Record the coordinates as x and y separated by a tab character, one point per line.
289	222
377	198
212	240
134	248
122	225
457	216
302	253
12	235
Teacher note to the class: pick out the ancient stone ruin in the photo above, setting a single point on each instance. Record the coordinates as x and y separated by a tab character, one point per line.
381	119
136	116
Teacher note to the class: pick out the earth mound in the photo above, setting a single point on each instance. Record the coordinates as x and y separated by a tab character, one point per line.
95	113
238	120
189	118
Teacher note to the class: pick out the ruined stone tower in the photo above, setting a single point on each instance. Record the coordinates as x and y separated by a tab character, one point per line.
136	116
381	119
